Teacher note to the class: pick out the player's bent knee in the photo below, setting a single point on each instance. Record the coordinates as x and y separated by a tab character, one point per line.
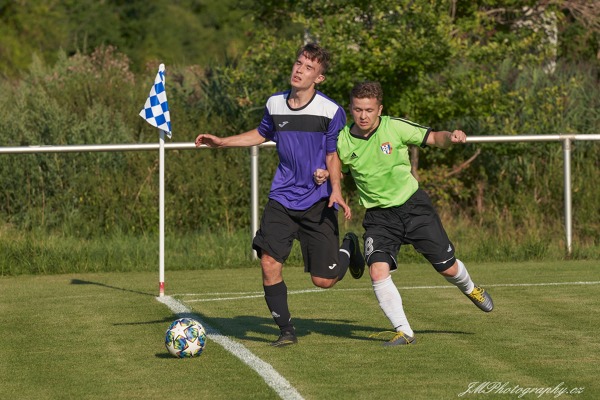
269	263
324	283
380	265
271	270
379	274
445	267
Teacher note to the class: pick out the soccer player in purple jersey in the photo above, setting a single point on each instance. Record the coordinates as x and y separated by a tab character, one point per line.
304	124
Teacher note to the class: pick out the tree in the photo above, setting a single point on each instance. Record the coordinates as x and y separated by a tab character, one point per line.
476	65
178	33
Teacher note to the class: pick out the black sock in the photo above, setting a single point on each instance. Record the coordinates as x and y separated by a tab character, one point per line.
344	255
276	297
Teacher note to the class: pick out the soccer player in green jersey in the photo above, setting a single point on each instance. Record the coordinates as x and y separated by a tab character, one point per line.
374	150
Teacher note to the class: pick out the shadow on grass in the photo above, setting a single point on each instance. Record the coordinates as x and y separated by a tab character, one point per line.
252	328
82	282
262	329
249	327
168	355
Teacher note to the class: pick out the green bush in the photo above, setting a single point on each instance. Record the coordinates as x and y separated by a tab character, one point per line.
95	99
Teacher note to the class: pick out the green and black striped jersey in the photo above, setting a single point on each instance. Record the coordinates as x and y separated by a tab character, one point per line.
380	164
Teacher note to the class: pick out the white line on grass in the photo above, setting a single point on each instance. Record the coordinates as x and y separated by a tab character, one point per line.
283	388
252	295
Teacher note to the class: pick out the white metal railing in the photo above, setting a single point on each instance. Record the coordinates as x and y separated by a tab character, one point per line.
566	140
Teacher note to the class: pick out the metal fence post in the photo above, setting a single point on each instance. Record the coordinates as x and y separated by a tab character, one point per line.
568	200
254	193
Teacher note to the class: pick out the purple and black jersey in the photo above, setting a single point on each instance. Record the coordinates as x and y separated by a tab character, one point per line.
303	137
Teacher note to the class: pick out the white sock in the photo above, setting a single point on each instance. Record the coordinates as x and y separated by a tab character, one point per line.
391	303
462	280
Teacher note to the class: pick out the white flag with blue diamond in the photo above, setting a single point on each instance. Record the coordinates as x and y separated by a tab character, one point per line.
156	109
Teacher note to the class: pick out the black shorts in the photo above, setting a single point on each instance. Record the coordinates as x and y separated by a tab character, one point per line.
415	222
315	228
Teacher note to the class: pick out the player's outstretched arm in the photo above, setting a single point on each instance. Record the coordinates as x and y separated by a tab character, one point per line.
443	139
246	139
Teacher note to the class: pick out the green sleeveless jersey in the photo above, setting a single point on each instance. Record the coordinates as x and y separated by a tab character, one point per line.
380	164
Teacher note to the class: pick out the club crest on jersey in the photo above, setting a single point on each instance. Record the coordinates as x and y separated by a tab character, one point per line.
386	148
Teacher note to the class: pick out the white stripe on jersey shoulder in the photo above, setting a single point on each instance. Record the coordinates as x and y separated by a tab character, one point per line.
320	105
410	122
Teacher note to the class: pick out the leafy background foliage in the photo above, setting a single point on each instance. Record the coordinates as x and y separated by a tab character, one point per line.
78	72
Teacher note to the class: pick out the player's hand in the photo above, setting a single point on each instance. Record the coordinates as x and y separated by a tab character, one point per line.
208	140
458	136
336	197
320	176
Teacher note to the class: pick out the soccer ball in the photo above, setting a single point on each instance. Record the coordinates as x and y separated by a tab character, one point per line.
185	337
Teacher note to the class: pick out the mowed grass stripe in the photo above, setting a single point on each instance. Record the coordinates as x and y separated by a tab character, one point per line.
94	336
266	371
104	340
253	295
458	344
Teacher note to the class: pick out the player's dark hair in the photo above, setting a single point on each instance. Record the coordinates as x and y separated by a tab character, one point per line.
314	52
367	90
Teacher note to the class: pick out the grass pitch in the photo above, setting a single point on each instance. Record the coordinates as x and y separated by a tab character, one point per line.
100	336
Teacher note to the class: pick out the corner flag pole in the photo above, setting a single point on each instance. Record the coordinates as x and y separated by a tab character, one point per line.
156	113
161	215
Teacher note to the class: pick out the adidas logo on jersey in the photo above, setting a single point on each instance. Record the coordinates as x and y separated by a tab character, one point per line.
353	156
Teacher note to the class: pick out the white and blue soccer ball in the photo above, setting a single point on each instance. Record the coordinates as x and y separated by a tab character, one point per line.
185	337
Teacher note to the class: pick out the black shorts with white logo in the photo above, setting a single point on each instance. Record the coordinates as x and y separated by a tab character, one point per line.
315	228
415	222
